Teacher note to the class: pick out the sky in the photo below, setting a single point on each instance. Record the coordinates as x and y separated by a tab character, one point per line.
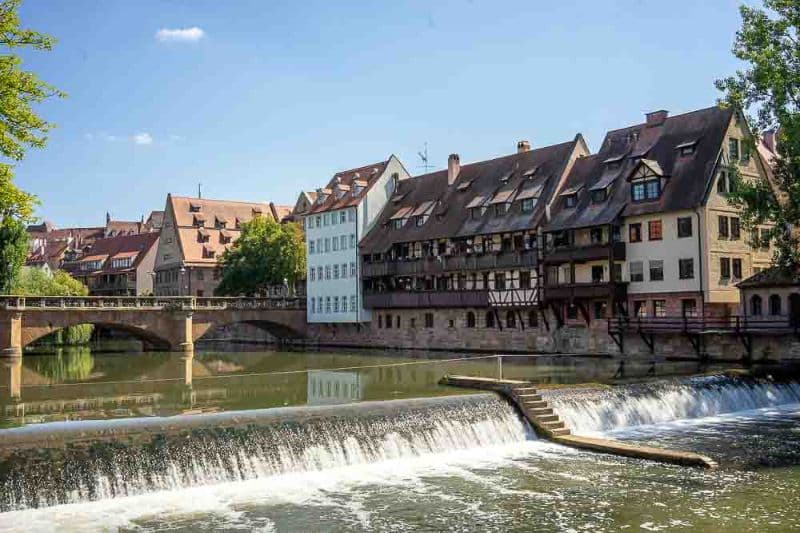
258	99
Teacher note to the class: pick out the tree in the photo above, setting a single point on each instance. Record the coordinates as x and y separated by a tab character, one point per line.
13	251
769	86
266	253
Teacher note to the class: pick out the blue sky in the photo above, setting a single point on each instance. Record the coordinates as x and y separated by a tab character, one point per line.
275	97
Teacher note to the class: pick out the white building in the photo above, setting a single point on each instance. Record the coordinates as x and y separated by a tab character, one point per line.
342	214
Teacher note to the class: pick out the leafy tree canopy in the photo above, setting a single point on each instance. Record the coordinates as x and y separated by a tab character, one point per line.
36	282
13	251
266	253
769	87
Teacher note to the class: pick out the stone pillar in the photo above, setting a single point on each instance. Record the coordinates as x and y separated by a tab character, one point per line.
11	334
11	376
184	333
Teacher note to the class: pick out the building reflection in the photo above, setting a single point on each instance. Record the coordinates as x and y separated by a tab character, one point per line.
327	387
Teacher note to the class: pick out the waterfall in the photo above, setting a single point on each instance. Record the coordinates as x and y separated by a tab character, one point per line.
655	403
310	439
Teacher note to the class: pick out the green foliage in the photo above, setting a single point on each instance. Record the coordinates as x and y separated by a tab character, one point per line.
36	282
13	250
266	253
769	87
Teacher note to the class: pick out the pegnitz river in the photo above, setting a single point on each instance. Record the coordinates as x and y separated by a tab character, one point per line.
270	441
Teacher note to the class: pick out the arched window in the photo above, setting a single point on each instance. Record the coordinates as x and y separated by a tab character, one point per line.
511	320
775	305
470	319
755	305
533	319
490	319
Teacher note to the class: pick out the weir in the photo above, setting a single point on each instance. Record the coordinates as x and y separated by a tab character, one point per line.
549	425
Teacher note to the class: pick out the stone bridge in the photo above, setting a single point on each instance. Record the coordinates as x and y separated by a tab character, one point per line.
165	323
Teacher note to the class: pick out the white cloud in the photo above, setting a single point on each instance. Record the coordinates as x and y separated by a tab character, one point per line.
143	138
185	35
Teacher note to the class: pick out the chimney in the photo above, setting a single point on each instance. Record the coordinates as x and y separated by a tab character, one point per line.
453	167
770	140
656	118
523	146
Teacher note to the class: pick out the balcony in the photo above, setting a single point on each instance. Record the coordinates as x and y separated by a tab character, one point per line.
581	254
426	299
451	263
569	291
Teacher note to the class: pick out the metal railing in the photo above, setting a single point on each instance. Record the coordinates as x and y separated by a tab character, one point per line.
705	324
11	302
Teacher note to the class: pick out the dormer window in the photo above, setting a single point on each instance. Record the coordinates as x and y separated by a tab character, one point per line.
208	253
420	220
613	165
599	196
199	221
398	223
686	148
571	200
527	205
257	212
194	208
220	223
646	190
500	209
475	213
202	235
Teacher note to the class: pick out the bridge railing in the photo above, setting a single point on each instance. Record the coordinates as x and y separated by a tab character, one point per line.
11	302
699	325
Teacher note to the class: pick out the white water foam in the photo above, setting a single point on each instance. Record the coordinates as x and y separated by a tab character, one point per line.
625	407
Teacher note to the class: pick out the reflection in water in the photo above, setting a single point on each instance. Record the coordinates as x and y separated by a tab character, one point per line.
327	387
67	364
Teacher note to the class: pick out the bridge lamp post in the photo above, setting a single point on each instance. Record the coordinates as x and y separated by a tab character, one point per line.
184	284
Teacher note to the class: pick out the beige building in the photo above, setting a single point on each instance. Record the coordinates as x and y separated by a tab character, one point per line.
195	234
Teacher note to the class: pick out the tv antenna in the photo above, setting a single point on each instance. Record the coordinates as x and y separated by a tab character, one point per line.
199	189
424	161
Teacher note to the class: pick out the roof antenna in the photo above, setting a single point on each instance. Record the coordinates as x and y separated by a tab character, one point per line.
199	191
423	156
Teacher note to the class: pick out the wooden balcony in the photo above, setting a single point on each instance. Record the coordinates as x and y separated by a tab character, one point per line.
425	299
570	291
451	263
581	254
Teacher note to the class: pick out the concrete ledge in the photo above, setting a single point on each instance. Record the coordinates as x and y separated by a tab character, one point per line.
635	450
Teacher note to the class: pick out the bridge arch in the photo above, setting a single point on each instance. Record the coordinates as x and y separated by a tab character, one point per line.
153	340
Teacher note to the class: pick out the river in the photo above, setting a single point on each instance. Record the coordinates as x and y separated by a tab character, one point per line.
243	440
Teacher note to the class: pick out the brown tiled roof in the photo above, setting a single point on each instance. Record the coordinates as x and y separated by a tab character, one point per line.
52	250
123	227
363	176
688	177
280	212
120	247
451	217
211	210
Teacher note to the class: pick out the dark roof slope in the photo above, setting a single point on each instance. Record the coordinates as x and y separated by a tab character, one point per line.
773	277
533	173
686	176
134	246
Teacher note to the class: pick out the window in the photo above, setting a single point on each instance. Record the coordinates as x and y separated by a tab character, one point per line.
342	217
722	183
684	227
327	304
380	321
352	241
327	272
596	235
335	244
388	321
352	302
597	273
736	228
311	247
659	308
351	215
475	213
500	209
736	268
654	230
319	305
326	219
646	190
319	273
640	308
344	304
689	308
722	224
533	319
470	319
635	232
599	196
428	320
616	272
775	305
312	274
724	267
572	312
335	271
335	304
527	205
511	320
398	223
657	270
327	244
524	280
637	192
344	270
490	319
733	149
755	305
571	200
637	271
343	242
319	246
764	239
600	310
312	307
686	268
500	281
